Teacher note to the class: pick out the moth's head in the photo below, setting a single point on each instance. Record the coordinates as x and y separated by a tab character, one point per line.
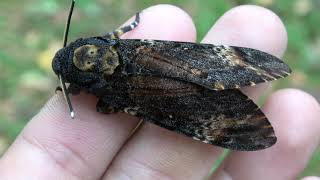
86	60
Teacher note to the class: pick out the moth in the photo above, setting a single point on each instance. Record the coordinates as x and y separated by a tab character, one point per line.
189	88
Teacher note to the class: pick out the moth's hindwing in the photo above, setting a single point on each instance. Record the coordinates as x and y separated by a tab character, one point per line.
224	118
214	67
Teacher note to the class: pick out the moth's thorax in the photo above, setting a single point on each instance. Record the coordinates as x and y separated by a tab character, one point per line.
86	63
94	58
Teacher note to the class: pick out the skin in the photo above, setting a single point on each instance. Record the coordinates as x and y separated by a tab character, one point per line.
97	146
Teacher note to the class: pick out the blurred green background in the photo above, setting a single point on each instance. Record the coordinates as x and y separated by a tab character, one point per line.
31	32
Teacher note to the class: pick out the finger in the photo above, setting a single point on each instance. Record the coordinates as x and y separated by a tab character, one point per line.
163	22
295	116
253	27
311	178
85	146
169	155
67	148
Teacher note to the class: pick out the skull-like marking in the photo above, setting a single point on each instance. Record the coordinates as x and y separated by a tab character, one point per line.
85	57
110	61
91	57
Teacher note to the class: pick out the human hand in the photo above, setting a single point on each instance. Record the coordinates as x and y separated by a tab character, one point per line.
98	146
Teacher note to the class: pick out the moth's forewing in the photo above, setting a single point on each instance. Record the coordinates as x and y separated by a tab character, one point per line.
214	67
223	118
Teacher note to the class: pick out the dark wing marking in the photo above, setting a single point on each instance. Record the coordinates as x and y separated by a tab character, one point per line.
223	118
215	67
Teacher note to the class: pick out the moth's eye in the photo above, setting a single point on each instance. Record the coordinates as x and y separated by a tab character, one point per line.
89	62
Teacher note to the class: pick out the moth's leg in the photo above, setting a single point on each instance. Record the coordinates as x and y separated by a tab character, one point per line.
132	110
118	32
104	107
58	88
72	89
116	103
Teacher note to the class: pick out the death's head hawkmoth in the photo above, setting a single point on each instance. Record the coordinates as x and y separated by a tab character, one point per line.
189	88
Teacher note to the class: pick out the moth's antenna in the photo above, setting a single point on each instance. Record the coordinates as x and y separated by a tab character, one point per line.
66	31
65	40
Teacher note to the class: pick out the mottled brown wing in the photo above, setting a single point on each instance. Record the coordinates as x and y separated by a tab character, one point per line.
223	118
215	67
